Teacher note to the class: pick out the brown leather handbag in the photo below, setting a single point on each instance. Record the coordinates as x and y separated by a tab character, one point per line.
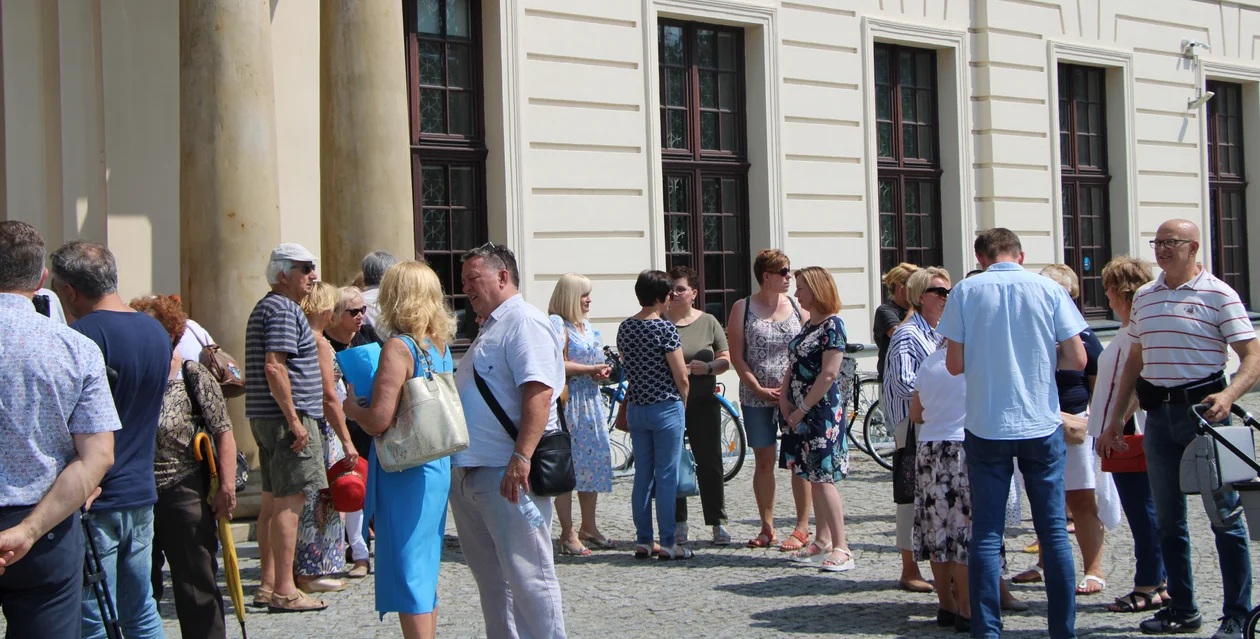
226	371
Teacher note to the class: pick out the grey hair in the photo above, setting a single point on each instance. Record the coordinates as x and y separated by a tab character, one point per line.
275	268
374	265
496	258
21	256
344	295
87	266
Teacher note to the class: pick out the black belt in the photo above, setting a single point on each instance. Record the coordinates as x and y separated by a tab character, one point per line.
1151	396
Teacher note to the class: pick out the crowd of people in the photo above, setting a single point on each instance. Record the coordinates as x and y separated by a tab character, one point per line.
996	386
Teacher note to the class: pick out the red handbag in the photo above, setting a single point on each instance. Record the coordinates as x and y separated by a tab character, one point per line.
1132	460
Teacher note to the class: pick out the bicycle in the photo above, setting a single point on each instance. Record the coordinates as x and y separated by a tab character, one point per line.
613	394
860	394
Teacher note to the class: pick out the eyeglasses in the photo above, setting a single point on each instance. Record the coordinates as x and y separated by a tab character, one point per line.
680	290
1168	244
305	268
939	290
355	312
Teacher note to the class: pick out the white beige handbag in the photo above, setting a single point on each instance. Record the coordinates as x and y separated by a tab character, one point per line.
429	423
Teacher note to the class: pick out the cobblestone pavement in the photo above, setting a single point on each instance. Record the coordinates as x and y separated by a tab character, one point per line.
741	592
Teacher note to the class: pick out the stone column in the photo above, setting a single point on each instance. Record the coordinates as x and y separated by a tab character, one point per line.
228	188
365	167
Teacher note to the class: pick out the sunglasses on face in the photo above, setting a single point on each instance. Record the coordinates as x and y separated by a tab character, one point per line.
939	290
355	312
785	271
305	268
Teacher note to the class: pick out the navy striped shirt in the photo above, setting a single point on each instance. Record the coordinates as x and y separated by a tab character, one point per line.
912	342
277	325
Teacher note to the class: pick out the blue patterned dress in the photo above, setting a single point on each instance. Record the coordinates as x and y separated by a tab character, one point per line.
591	460
817	450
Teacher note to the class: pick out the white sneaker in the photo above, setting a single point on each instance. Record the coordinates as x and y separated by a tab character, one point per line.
720	536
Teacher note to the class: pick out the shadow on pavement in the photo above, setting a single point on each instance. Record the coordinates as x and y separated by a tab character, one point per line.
812	584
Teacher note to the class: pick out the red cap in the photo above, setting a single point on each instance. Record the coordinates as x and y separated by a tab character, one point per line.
348	485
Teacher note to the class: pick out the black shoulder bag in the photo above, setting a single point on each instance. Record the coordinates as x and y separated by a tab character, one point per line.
551	468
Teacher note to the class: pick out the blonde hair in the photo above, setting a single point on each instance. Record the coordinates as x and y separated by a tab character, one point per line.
346	294
1064	276
323	297
899	274
566	298
1126	275
412	303
823	286
921	281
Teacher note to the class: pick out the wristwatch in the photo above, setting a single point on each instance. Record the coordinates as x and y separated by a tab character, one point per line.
710	365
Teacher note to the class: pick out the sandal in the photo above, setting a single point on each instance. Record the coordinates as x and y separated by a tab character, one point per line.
1083	587
833	563
262	598
574	551
764	539
1031	576
601	542
1136	601
675	553
794	542
643	551
809	554
720	536
298	602
1165	601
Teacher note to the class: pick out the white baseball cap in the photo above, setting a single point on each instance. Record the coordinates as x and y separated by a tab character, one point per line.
292	252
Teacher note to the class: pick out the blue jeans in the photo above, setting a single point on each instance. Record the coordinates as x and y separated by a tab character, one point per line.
656	435
124	540
990	466
1139	508
1169	430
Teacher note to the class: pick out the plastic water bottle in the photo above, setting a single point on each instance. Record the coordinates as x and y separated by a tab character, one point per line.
533	516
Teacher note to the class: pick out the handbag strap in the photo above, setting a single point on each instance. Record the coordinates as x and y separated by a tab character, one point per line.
500	414
415	355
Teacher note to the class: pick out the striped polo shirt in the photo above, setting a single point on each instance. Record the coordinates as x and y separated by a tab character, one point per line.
277	325
1185	332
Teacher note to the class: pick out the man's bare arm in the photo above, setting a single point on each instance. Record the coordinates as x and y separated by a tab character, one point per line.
1248	373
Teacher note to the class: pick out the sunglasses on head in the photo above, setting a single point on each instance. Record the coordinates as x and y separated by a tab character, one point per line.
305	268
355	312
939	290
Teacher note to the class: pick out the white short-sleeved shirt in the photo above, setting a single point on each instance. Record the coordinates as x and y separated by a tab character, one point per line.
189	347
1104	400
516	345
1185	332
944	399
373	311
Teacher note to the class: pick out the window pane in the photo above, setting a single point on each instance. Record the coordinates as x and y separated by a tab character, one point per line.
709	131
676	87
908	106
924	108
672	45
888	231
729	140
883	103
732	195
1095	85
457	19
713	275
679	234
677	195
432	111
676	129
887	190
927	145
433	185
883	74
905	61
912	225
712	233
462	186
730	233
708	90
726	51
726	93
710	191
458	63
885	142
912	197
732	276
431	64
461	113
706	49
924	62
428	18
435	231
909	141
1083	157
463	230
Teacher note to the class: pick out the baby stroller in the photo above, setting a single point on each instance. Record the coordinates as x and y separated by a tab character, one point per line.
1206	469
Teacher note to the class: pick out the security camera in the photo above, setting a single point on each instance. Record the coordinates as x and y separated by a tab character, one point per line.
1189	48
1194	103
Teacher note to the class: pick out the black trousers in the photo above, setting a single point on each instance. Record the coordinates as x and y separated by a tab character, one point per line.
185	531
704	431
42	593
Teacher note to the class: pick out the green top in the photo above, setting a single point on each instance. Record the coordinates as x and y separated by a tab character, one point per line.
706	333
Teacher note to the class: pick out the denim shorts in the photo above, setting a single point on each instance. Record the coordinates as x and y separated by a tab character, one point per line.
761	426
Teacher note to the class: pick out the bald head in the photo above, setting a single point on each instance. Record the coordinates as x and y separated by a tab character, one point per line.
1178	229
1176	246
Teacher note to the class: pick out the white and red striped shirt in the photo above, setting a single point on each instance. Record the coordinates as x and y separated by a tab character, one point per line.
1185	332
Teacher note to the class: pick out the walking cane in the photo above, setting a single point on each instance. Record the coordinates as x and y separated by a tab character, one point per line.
94	577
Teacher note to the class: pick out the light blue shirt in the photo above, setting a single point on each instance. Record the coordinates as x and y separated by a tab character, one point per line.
516	345
1010	321
54	387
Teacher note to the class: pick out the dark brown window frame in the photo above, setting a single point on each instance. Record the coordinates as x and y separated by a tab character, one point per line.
905	171
699	165
1079	179
448	151
1227	184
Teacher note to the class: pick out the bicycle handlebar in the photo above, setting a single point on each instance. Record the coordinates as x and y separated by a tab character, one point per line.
1198	409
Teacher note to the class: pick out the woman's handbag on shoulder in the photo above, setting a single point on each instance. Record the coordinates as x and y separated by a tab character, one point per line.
429	423
1132	460
688	485
199	424
551	468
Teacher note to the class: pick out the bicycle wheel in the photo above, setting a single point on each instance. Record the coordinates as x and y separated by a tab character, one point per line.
734	444
879	436
619	448
867	393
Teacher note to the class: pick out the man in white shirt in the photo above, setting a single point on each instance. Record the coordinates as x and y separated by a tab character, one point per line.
1183	323
374	265
519	356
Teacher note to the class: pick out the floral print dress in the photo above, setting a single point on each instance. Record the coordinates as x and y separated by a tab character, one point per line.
817	450
321	542
592	463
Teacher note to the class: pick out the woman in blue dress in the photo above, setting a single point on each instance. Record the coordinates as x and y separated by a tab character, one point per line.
810	406
585	365
409	506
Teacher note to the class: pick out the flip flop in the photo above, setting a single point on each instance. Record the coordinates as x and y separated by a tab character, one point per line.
1031	576
764	539
794	542
1083	587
